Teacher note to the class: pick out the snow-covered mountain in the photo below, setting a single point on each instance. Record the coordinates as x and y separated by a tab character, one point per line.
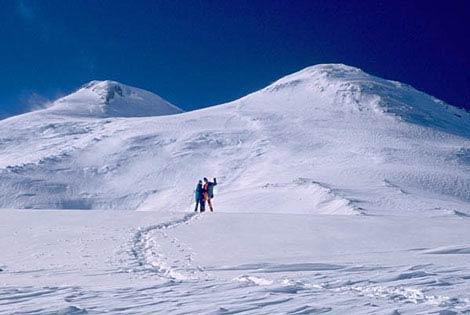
112	99
328	139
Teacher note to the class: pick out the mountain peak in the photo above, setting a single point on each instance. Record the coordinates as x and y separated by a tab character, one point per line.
333	69
94	83
109	98
321	73
107	89
98	85
341	88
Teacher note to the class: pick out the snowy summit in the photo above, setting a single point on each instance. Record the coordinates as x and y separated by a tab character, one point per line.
112	99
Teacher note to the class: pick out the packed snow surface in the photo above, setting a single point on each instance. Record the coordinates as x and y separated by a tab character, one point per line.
147	262
339	192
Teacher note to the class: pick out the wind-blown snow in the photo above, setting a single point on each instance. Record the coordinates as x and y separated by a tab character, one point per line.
329	139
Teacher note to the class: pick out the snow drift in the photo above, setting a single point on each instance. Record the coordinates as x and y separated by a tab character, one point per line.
328	139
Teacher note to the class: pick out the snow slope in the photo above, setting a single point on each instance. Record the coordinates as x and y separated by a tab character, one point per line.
329	139
144	262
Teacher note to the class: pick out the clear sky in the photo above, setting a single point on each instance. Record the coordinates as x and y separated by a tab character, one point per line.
200	53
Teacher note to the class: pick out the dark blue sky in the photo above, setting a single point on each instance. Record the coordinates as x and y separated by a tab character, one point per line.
199	53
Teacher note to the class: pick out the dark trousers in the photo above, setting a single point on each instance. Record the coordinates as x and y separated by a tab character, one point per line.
202	204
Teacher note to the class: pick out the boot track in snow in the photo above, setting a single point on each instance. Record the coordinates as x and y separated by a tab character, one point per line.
145	243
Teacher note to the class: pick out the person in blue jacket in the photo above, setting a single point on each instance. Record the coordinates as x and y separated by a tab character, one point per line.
199	196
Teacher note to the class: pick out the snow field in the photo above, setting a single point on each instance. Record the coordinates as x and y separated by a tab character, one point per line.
225	263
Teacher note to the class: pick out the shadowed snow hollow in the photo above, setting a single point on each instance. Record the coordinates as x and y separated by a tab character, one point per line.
329	139
112	99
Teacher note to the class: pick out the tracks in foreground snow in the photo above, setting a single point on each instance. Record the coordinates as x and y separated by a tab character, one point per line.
164	277
150	243
293	287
